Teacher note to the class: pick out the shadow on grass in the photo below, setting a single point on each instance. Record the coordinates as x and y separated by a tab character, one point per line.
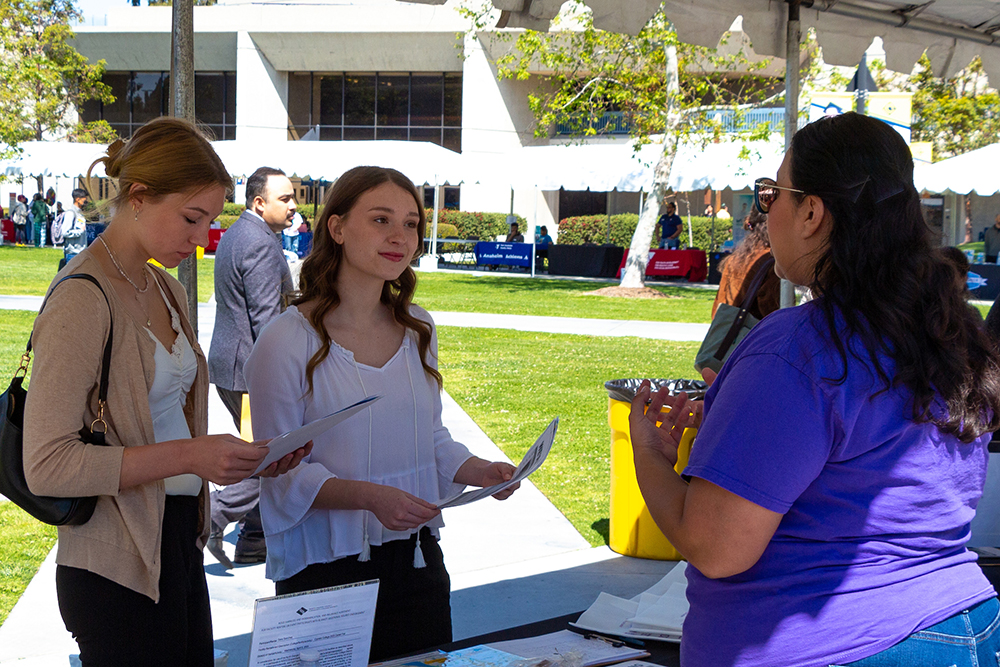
502	283
603	528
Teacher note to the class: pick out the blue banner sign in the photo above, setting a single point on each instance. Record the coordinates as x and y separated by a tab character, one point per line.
512	254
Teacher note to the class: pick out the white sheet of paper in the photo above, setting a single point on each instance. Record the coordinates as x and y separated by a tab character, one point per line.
286	443
336	621
531	462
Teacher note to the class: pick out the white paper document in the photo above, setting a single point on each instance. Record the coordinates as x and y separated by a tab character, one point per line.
286	443
532	461
336	621
657	613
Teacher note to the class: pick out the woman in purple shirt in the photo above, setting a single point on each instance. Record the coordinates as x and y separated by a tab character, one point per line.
842	451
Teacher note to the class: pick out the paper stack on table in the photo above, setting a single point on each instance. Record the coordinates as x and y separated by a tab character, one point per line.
657	613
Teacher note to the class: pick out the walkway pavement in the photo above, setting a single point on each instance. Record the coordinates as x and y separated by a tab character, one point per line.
511	563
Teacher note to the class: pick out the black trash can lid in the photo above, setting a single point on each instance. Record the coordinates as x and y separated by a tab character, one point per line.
624	390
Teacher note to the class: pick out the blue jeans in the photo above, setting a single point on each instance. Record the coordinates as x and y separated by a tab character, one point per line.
970	638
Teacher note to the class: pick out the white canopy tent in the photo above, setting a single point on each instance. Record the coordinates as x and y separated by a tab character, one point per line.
952	31
975	171
606	167
422	162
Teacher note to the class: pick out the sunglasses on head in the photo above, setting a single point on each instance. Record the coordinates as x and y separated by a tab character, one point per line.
765	191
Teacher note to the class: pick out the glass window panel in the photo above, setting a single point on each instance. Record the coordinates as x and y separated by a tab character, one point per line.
331	99
422	134
359	134
426	100
453	198
453	100
230	132
118	111
390	133
231	98
210	99
429	203
123	129
359	99
90	111
299	100
147	97
393	99
330	133
453	140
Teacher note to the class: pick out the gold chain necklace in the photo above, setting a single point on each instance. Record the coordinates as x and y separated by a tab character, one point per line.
118	266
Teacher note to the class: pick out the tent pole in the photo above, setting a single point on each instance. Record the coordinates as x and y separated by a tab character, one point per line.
437	205
793	36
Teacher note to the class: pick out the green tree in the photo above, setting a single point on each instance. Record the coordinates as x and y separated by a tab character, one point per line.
43	79
956	115
660	85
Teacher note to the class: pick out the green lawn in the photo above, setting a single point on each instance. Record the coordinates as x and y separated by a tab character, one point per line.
24	544
559	298
31	270
513	396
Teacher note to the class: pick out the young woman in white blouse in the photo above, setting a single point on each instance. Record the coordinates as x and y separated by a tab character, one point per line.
362	505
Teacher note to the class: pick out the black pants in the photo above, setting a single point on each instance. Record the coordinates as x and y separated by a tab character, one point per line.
117	626
413	611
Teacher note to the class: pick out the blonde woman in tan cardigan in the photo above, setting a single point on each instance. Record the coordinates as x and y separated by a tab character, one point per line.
130	581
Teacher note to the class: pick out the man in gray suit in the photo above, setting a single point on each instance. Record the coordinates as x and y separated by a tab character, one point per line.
251	281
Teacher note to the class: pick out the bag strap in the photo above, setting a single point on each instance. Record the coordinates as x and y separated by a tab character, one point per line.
105	363
734	329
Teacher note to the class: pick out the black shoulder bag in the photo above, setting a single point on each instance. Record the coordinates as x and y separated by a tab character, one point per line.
54	511
730	325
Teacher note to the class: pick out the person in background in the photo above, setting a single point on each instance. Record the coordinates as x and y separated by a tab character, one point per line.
542	244
740	269
515	236
74	225
723	213
130	581
709	211
251	282
363	505
20	217
290	234
671	227
39	219
991	242
842	449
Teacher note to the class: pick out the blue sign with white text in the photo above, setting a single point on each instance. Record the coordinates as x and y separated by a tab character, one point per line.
512	254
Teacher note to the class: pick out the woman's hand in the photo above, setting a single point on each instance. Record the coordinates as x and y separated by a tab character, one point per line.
480	472
223	459
647	411
287	462
398	510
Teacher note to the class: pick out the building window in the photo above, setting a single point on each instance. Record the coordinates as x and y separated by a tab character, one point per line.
143	96
381	106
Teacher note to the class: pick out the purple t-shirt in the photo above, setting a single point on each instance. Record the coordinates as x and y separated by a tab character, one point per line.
876	507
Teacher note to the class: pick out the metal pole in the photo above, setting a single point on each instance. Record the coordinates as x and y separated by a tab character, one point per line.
792	37
182	106
434	232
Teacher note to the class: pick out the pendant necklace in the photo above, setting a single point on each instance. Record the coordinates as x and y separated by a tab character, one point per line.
118	266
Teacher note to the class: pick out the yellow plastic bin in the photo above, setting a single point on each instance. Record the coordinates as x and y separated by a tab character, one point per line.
632	531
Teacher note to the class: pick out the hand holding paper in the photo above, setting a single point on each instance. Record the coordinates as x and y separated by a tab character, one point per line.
531	462
286	443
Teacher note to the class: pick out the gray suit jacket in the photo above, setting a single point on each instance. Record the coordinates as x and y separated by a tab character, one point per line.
251	278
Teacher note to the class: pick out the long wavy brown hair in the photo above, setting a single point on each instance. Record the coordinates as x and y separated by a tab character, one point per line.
318	279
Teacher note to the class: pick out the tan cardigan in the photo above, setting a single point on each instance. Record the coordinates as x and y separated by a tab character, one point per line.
122	540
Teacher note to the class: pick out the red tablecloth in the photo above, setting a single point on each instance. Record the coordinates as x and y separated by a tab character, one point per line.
692	263
7	229
213	239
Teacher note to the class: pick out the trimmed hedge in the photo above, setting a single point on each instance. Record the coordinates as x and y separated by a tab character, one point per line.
594	229
486	226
